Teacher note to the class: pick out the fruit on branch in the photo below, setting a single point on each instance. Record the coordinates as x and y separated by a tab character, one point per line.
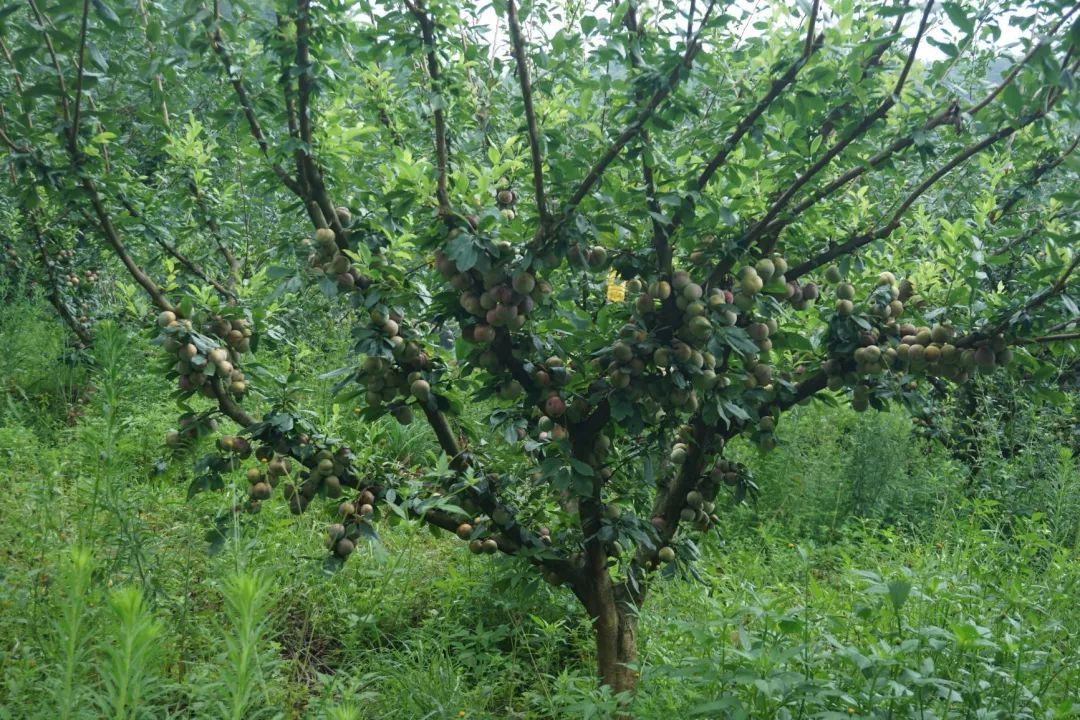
666	554
464	531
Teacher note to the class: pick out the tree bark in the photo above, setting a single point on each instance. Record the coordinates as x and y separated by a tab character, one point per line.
614	617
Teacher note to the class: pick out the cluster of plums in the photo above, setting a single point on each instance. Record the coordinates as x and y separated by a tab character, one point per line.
196	364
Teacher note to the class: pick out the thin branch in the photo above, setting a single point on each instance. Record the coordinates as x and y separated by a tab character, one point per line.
113	238
775	90
442	153
778	86
660	235
1037	173
53	292
808	50
637	125
949	115
859	240
40	18
858	131
1049	338
974	109
217	42
530	114
171	250
872	60
74	130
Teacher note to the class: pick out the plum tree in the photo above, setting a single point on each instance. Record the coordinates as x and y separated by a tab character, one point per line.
673	238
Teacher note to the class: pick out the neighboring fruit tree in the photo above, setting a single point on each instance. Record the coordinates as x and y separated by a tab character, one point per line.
628	234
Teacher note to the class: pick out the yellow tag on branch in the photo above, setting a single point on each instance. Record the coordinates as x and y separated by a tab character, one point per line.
616	291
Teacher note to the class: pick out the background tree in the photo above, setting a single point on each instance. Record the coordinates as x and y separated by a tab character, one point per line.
633	234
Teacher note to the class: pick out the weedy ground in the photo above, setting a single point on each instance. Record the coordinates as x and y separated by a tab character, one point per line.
874	577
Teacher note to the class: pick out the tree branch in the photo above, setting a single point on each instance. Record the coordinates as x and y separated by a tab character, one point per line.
637	125
113	238
41	21
74	132
217	42
859	240
660	236
442	153
1062	337
974	109
754	231
180	257
947	116
530	113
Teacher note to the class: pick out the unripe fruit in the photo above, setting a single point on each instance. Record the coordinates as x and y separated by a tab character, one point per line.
845	291
985	358
678	456
554	406
693	291
166	318
325	236
344	548
464	530
421	390
490	546
524	283
254	475
260	491
844	307
666	554
187	352
833	274
695	499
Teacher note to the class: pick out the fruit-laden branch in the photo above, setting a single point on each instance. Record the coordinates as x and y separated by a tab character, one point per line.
1035	302
858	240
217	42
172	251
949	115
442	153
530	113
515	536
637	125
53	285
755	230
706	440
660	235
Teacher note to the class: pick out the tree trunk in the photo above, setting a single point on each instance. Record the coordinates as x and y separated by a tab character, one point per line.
614	618
616	645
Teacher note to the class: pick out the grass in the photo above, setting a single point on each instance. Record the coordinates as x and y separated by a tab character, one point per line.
871	579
